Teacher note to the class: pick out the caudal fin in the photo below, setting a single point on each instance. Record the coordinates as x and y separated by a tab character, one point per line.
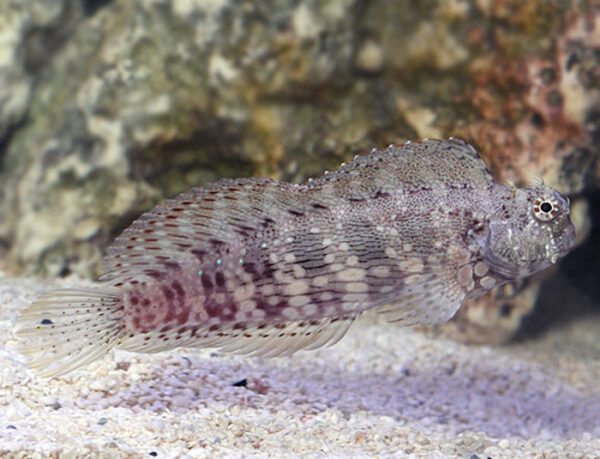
66	329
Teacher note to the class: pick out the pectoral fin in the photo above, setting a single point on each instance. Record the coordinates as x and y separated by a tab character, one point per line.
426	299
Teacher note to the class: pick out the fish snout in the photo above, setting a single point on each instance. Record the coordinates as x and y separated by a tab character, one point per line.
567	241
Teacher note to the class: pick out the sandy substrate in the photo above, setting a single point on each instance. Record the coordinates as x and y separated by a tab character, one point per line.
383	391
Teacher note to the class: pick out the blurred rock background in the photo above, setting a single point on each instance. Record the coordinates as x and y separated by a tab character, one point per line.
108	106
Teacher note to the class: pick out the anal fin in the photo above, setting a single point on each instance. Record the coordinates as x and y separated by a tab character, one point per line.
265	341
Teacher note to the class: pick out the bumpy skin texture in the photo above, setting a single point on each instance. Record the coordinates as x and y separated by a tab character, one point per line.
410	231
261	267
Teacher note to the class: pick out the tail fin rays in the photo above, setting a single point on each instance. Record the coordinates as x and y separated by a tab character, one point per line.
66	329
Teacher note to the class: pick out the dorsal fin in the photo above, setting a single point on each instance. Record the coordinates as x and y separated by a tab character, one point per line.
471	157
407	166
202	221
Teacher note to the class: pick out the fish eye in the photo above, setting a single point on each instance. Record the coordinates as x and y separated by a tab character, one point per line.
545	209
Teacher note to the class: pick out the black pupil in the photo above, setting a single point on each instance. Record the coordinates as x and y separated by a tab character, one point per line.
546	207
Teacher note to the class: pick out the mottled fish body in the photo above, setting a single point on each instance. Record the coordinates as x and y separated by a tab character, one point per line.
261	267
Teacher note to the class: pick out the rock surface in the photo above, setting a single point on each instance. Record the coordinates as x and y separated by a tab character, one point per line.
109	106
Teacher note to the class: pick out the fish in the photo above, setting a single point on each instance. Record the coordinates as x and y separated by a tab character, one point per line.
261	267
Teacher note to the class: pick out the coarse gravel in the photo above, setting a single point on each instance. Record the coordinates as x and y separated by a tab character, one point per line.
383	391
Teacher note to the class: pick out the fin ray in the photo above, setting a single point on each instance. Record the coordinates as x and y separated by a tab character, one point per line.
181	229
253	341
65	329
430	299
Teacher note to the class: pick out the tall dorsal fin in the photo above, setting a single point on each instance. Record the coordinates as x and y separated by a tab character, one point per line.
202	221
412	165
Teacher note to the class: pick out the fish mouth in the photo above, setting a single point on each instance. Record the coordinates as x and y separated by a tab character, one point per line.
512	260
566	242
554	257
562	245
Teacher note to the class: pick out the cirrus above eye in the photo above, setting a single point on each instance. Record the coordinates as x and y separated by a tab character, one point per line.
545	209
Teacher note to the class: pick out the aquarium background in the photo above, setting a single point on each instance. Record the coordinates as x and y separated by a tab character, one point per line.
109	106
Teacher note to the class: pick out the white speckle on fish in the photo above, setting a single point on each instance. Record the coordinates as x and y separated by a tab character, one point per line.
261	267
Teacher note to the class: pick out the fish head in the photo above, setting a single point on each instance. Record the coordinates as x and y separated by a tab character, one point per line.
530	233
